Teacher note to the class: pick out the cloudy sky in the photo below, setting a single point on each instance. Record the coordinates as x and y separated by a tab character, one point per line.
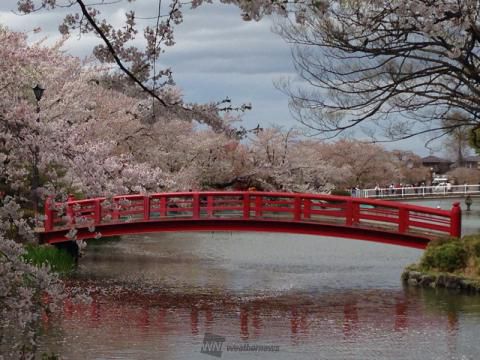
217	54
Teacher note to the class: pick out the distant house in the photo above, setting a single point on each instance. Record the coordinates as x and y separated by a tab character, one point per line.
472	162
438	165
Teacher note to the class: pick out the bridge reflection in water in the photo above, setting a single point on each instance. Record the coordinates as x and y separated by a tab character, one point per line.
129	318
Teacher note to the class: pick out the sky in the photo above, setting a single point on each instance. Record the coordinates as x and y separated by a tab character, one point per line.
216	55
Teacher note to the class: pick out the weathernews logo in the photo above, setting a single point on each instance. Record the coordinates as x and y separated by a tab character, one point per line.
213	346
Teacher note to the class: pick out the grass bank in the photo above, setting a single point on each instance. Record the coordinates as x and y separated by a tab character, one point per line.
59	261
450	263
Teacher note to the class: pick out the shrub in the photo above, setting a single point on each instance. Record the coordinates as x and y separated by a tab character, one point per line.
58	260
448	256
340	192
442	241
472	243
476	248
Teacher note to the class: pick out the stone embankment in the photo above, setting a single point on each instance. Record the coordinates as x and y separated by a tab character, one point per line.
441	280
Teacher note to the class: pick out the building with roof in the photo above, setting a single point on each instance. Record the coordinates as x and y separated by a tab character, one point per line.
436	164
472	162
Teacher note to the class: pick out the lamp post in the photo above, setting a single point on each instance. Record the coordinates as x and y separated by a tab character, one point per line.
38	92
468	202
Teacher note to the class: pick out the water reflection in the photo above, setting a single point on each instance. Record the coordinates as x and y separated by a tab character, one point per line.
356	324
155	297
248	264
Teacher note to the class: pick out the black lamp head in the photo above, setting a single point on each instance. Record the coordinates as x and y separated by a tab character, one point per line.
38	91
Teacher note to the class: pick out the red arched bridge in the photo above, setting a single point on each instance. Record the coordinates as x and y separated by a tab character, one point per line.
316	214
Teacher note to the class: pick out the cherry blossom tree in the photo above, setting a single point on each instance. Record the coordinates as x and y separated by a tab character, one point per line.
462	175
409	168
363	164
62	142
281	160
60	135
190	157
24	288
395	68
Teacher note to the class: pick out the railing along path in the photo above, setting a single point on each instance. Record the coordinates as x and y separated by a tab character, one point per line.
418	192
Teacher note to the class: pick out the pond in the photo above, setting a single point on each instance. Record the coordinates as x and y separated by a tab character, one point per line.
259	296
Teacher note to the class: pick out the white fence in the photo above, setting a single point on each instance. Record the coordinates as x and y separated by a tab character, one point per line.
419	191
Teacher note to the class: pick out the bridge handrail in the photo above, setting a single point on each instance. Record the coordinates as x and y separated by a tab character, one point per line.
251	205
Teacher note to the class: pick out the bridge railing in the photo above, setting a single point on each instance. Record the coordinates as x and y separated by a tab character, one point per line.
260	206
418	191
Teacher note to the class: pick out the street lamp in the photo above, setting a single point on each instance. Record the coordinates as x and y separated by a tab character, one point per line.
468	202
38	92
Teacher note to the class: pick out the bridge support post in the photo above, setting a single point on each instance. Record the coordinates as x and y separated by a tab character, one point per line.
146	207
349	212
307	208
258	205
456	222
297	210
48	223
196	206
98	212
115	210
403	220
246	206
210	204
69	211
352	213
163	206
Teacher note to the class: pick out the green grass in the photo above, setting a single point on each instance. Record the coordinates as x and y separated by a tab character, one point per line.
58	260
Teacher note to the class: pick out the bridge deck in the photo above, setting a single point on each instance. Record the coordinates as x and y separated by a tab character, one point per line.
367	219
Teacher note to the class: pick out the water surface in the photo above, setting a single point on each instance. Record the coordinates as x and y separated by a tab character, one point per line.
156	296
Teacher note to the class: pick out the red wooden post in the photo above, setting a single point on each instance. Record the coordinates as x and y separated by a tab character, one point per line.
210	205
196	205
163	206
48	223
116	210
403	220
258	205
146	207
97	215
297	210
307	208
69	211
456	220
246	205
355	213
349	212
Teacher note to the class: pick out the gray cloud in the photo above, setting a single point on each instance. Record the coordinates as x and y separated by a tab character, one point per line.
216	54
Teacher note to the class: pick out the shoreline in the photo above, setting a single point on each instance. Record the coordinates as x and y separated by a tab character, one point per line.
433	280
